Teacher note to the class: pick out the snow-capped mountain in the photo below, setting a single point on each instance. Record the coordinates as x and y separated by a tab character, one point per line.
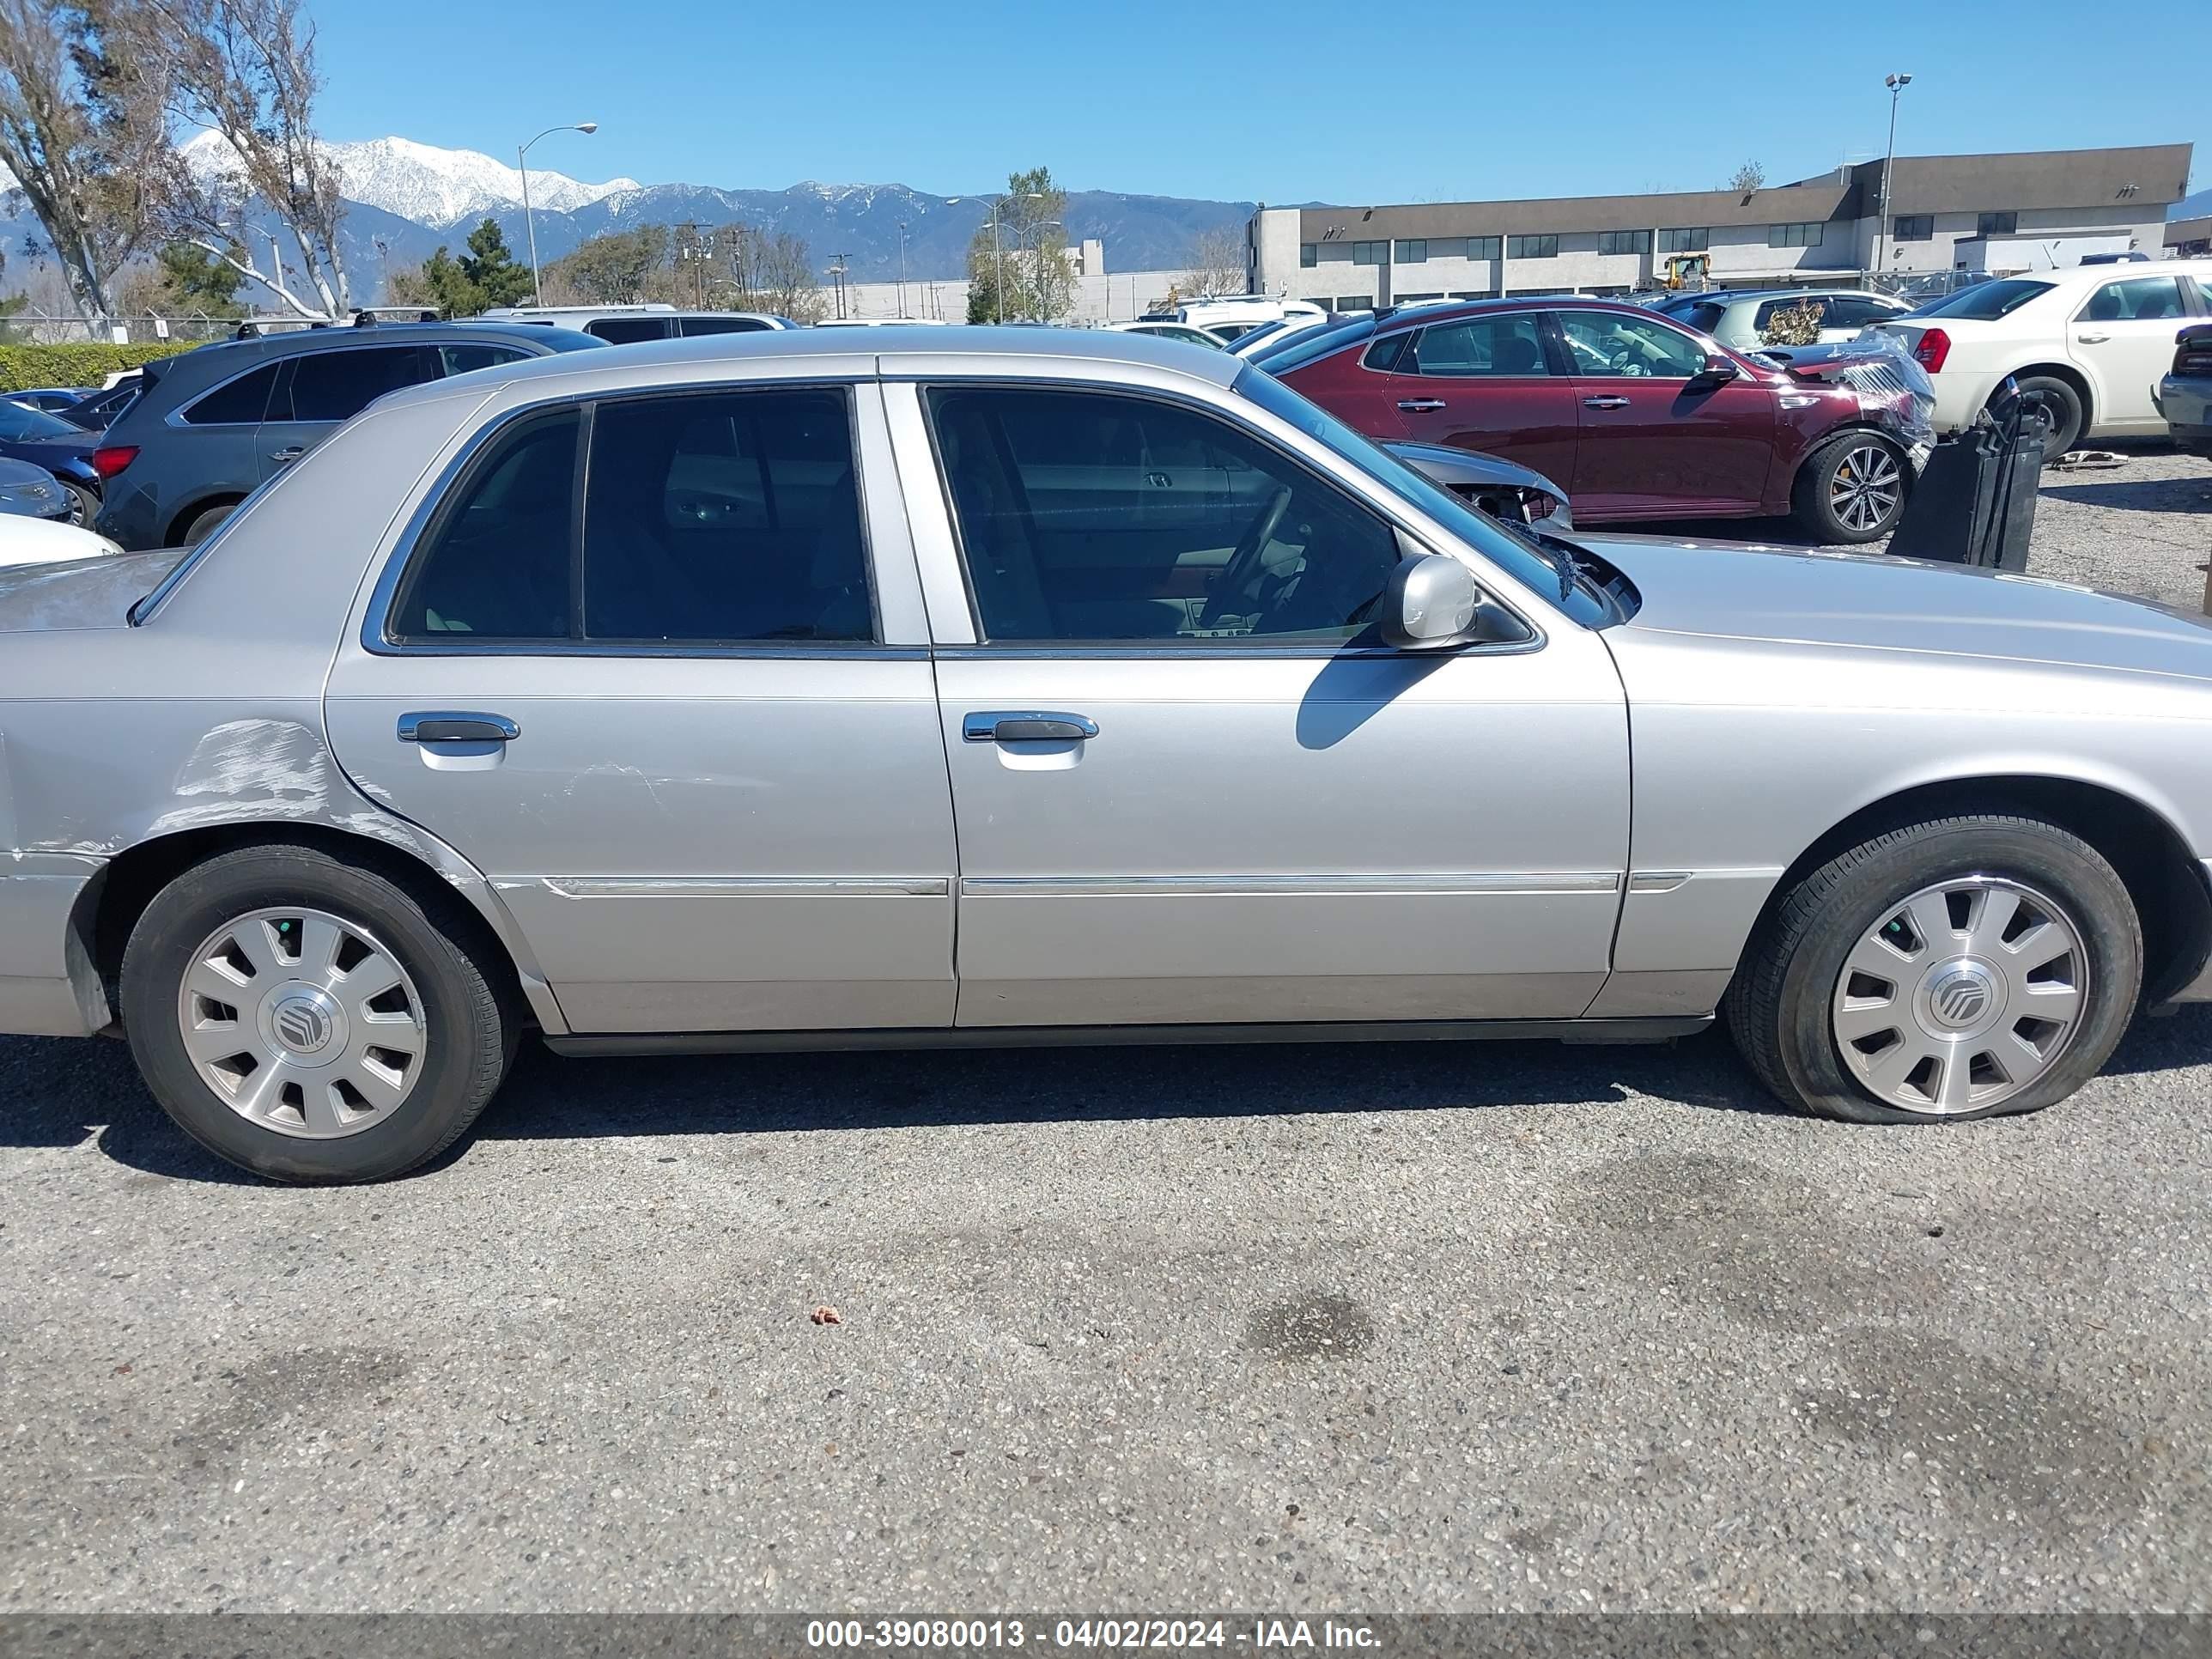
432	186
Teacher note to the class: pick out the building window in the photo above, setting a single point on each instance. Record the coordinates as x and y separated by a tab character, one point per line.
1685	241
1370	253
1414	252
1997	224
1532	247
1355	302
1309	256
1416	298
1804	236
1624	241
1483	247
1914	227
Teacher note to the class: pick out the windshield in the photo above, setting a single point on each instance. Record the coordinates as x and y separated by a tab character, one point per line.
18	421
1527	562
1985	302
1310	345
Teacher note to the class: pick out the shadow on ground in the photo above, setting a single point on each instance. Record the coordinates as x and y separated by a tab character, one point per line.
2184	495
62	1094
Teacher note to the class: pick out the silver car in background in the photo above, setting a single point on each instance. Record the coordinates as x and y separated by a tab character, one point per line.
892	688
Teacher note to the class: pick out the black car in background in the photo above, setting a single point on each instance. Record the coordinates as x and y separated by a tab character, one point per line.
102	410
211	426
65	451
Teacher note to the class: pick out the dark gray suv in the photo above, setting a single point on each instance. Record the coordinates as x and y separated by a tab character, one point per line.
212	425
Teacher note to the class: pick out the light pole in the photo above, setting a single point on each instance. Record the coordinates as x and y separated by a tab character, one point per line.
529	224
901	291
1021	236
998	253
1897	84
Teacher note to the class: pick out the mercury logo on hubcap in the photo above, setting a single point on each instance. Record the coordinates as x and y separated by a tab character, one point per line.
1960	997
302	1024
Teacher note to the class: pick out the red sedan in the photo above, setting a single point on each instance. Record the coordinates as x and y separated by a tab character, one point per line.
1637	416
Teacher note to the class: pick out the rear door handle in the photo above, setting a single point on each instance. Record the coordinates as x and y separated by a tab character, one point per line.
1422	405
1027	726
1605	403
2092	339
456	726
290	453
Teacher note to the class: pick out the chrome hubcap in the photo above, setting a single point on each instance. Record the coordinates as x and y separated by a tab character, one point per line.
302	1022
1961	996
1866	489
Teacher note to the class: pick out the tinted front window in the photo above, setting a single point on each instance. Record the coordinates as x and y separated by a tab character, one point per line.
336	385
628	330
496	564
1507	345
1985	302
1096	517
729	517
1476	529
1603	343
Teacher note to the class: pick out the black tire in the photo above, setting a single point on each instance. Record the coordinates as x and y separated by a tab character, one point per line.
1812	497
203	523
84	503
470	1028
1779	1008
2063	404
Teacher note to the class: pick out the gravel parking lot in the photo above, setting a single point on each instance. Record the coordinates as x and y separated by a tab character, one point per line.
1374	1328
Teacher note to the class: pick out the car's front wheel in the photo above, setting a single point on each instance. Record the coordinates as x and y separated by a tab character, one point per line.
1961	968
1851	489
308	1019
84	504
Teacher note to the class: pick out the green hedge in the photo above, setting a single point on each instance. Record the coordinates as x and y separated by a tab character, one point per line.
23	368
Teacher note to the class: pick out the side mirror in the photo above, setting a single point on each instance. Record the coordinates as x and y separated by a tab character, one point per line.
1430	600
1719	370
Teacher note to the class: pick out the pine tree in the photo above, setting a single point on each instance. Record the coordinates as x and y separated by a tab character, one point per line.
492	270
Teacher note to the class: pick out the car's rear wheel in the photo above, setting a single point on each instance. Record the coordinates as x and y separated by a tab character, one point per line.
1851	489
310	1020
1957	969
202	523
2063	403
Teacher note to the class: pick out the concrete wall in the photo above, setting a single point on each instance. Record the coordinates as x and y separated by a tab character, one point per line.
1101	296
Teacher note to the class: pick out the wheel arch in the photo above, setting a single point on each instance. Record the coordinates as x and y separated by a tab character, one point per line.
109	906
2066	371
180	520
2153	858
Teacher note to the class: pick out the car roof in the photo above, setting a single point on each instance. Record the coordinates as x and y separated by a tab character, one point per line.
187	371
960	349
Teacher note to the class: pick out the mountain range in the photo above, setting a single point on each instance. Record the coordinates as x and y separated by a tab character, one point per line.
407	199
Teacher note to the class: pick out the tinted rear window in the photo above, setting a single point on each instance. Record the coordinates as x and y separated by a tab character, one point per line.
628	330
242	403
721	326
1985	302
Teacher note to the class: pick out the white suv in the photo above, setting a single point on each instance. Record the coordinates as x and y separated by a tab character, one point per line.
2090	343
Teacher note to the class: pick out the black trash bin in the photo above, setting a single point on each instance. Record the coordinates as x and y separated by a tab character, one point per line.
1975	501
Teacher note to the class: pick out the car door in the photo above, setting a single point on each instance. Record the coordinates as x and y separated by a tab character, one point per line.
1239	808
2123	339
318	390
1486	383
1655	441
680	713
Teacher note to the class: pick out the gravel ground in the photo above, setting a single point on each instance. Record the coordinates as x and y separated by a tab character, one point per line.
1483	1327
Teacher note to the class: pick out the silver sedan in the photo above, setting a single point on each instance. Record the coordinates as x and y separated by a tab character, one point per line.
961	687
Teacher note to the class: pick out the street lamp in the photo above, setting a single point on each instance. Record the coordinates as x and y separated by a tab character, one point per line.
1896	83
522	165
998	253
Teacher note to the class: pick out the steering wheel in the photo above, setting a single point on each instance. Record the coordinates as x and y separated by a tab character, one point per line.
1244	561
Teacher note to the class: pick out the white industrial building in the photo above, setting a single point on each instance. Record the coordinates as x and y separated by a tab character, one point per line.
2019	211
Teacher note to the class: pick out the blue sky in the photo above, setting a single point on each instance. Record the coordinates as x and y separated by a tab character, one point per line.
1442	101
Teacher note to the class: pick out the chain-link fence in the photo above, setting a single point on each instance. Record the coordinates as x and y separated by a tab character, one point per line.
31	326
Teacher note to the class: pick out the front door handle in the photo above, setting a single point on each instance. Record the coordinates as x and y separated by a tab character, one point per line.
2092	339
456	726
1027	726
290	453
1422	405
1605	403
